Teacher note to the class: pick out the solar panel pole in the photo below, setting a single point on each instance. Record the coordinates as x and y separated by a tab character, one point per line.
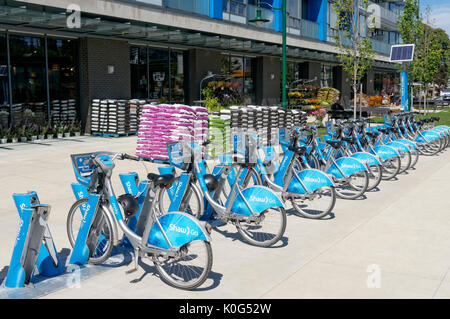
404	88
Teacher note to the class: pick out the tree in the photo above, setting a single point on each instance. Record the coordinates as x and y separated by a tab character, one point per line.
429	55
355	49
410	29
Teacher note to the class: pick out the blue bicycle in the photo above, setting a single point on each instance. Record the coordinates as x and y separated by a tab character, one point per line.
176	242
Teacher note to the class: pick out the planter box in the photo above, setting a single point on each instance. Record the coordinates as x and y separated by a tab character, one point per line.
59	135
33	138
3	141
66	134
49	136
15	140
23	139
77	133
41	137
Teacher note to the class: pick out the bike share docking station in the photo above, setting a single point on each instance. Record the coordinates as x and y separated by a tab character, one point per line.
34	248
36	269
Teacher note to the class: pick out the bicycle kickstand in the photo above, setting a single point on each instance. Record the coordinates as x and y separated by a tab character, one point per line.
136	261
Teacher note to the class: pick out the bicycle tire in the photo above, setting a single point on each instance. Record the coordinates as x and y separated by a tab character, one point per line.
108	233
246	236
172	280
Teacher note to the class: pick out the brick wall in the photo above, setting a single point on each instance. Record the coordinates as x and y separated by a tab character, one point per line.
95	82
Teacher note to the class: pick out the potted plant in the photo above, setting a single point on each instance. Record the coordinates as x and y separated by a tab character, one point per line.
14	134
59	131
76	128
34	131
66	130
3	135
50	132
42	130
23	132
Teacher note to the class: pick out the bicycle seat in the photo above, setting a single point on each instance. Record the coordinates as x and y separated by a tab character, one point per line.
349	140
334	143
161	180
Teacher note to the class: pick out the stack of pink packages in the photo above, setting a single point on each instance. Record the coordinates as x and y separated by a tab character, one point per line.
165	123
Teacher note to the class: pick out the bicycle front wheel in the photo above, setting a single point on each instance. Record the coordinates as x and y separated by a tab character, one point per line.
101	228
375	176
320	206
266	230
189	269
355	187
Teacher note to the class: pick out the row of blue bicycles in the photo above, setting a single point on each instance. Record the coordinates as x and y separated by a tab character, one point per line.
168	217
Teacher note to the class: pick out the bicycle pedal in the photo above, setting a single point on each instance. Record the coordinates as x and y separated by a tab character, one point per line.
131	271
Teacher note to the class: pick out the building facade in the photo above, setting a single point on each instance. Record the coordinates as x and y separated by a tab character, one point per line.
58	55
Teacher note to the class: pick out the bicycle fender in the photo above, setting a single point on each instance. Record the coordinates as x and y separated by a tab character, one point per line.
313	179
259	199
407	142
348	166
80	252
386	152
180	228
400	146
367	158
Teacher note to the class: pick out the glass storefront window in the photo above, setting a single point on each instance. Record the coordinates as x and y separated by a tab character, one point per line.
238	71
4	87
138	65
157	74
62	75
28	76
326	76
176	77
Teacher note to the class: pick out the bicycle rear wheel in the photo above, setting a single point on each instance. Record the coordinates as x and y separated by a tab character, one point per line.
267	230
189	269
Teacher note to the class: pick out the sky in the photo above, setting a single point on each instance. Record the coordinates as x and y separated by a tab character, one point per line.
440	13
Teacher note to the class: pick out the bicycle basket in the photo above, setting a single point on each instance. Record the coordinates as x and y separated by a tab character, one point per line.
81	167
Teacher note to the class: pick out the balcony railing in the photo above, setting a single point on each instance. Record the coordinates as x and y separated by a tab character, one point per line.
309	29
236	7
381	47
195	6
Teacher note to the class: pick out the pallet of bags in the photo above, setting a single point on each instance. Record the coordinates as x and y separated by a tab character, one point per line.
162	124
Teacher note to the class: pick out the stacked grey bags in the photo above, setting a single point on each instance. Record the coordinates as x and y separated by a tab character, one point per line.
115	117
62	111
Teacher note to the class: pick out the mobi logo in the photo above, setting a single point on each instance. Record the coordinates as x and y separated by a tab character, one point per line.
183	230
264	200
80	194
22	206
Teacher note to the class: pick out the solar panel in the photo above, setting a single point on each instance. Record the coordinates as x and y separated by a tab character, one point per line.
402	53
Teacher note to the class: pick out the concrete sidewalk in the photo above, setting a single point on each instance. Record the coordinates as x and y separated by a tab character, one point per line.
393	244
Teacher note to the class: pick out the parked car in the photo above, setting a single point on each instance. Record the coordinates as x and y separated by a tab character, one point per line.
441	101
445	94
